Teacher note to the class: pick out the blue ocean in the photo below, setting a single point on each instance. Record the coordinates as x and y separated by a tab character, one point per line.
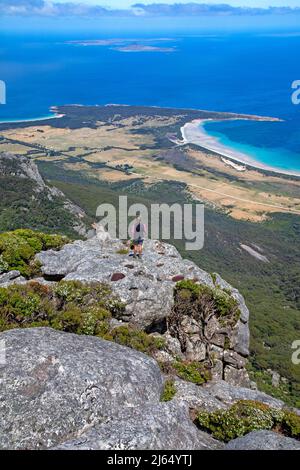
238	71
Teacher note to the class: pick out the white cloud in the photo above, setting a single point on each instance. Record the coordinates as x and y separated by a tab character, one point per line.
148	8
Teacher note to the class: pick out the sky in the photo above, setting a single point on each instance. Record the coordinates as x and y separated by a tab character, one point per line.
248	3
147	8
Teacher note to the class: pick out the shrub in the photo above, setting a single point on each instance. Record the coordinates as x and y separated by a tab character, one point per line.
246	416
169	390
73	307
4	266
18	248
291	424
93	293
122	251
204	298
192	371
187	287
27	305
69	320
69	306
134	338
285	391
71	291
115	306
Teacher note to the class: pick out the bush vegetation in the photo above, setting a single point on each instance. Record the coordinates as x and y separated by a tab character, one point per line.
284	390
200	300
246	416
18	248
68	306
134	338
123	251
190	371
72	307
23	205
169	391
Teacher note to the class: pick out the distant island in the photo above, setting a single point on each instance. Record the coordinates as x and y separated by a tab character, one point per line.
142	48
127	45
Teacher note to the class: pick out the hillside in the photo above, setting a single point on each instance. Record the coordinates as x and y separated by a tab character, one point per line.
27	202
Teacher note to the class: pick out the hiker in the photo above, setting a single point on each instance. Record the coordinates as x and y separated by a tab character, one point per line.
138	234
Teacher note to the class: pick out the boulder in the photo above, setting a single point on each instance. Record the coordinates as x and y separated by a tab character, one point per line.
229	394
162	426
11	277
263	440
233	359
56	385
241	339
216	395
196	397
236	376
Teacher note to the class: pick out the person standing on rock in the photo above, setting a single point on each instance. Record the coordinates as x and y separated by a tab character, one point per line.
138	232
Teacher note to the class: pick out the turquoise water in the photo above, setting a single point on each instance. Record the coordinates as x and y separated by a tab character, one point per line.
29	119
247	73
247	139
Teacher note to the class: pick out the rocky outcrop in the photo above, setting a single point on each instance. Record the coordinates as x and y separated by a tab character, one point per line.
263	440
146	286
219	395
162	426
11	277
57	385
65	391
61	390
23	168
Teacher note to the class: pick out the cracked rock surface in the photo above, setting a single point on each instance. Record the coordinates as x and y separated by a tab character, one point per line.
55	385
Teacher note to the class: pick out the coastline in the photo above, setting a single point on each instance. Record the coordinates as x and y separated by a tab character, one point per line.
194	133
44	118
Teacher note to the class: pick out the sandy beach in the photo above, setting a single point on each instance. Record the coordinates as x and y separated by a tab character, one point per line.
195	133
44	118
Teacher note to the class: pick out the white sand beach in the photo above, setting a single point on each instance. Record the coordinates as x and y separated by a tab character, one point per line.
44	118
195	133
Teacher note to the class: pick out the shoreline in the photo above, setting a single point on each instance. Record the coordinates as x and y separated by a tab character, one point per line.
194	133
45	118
